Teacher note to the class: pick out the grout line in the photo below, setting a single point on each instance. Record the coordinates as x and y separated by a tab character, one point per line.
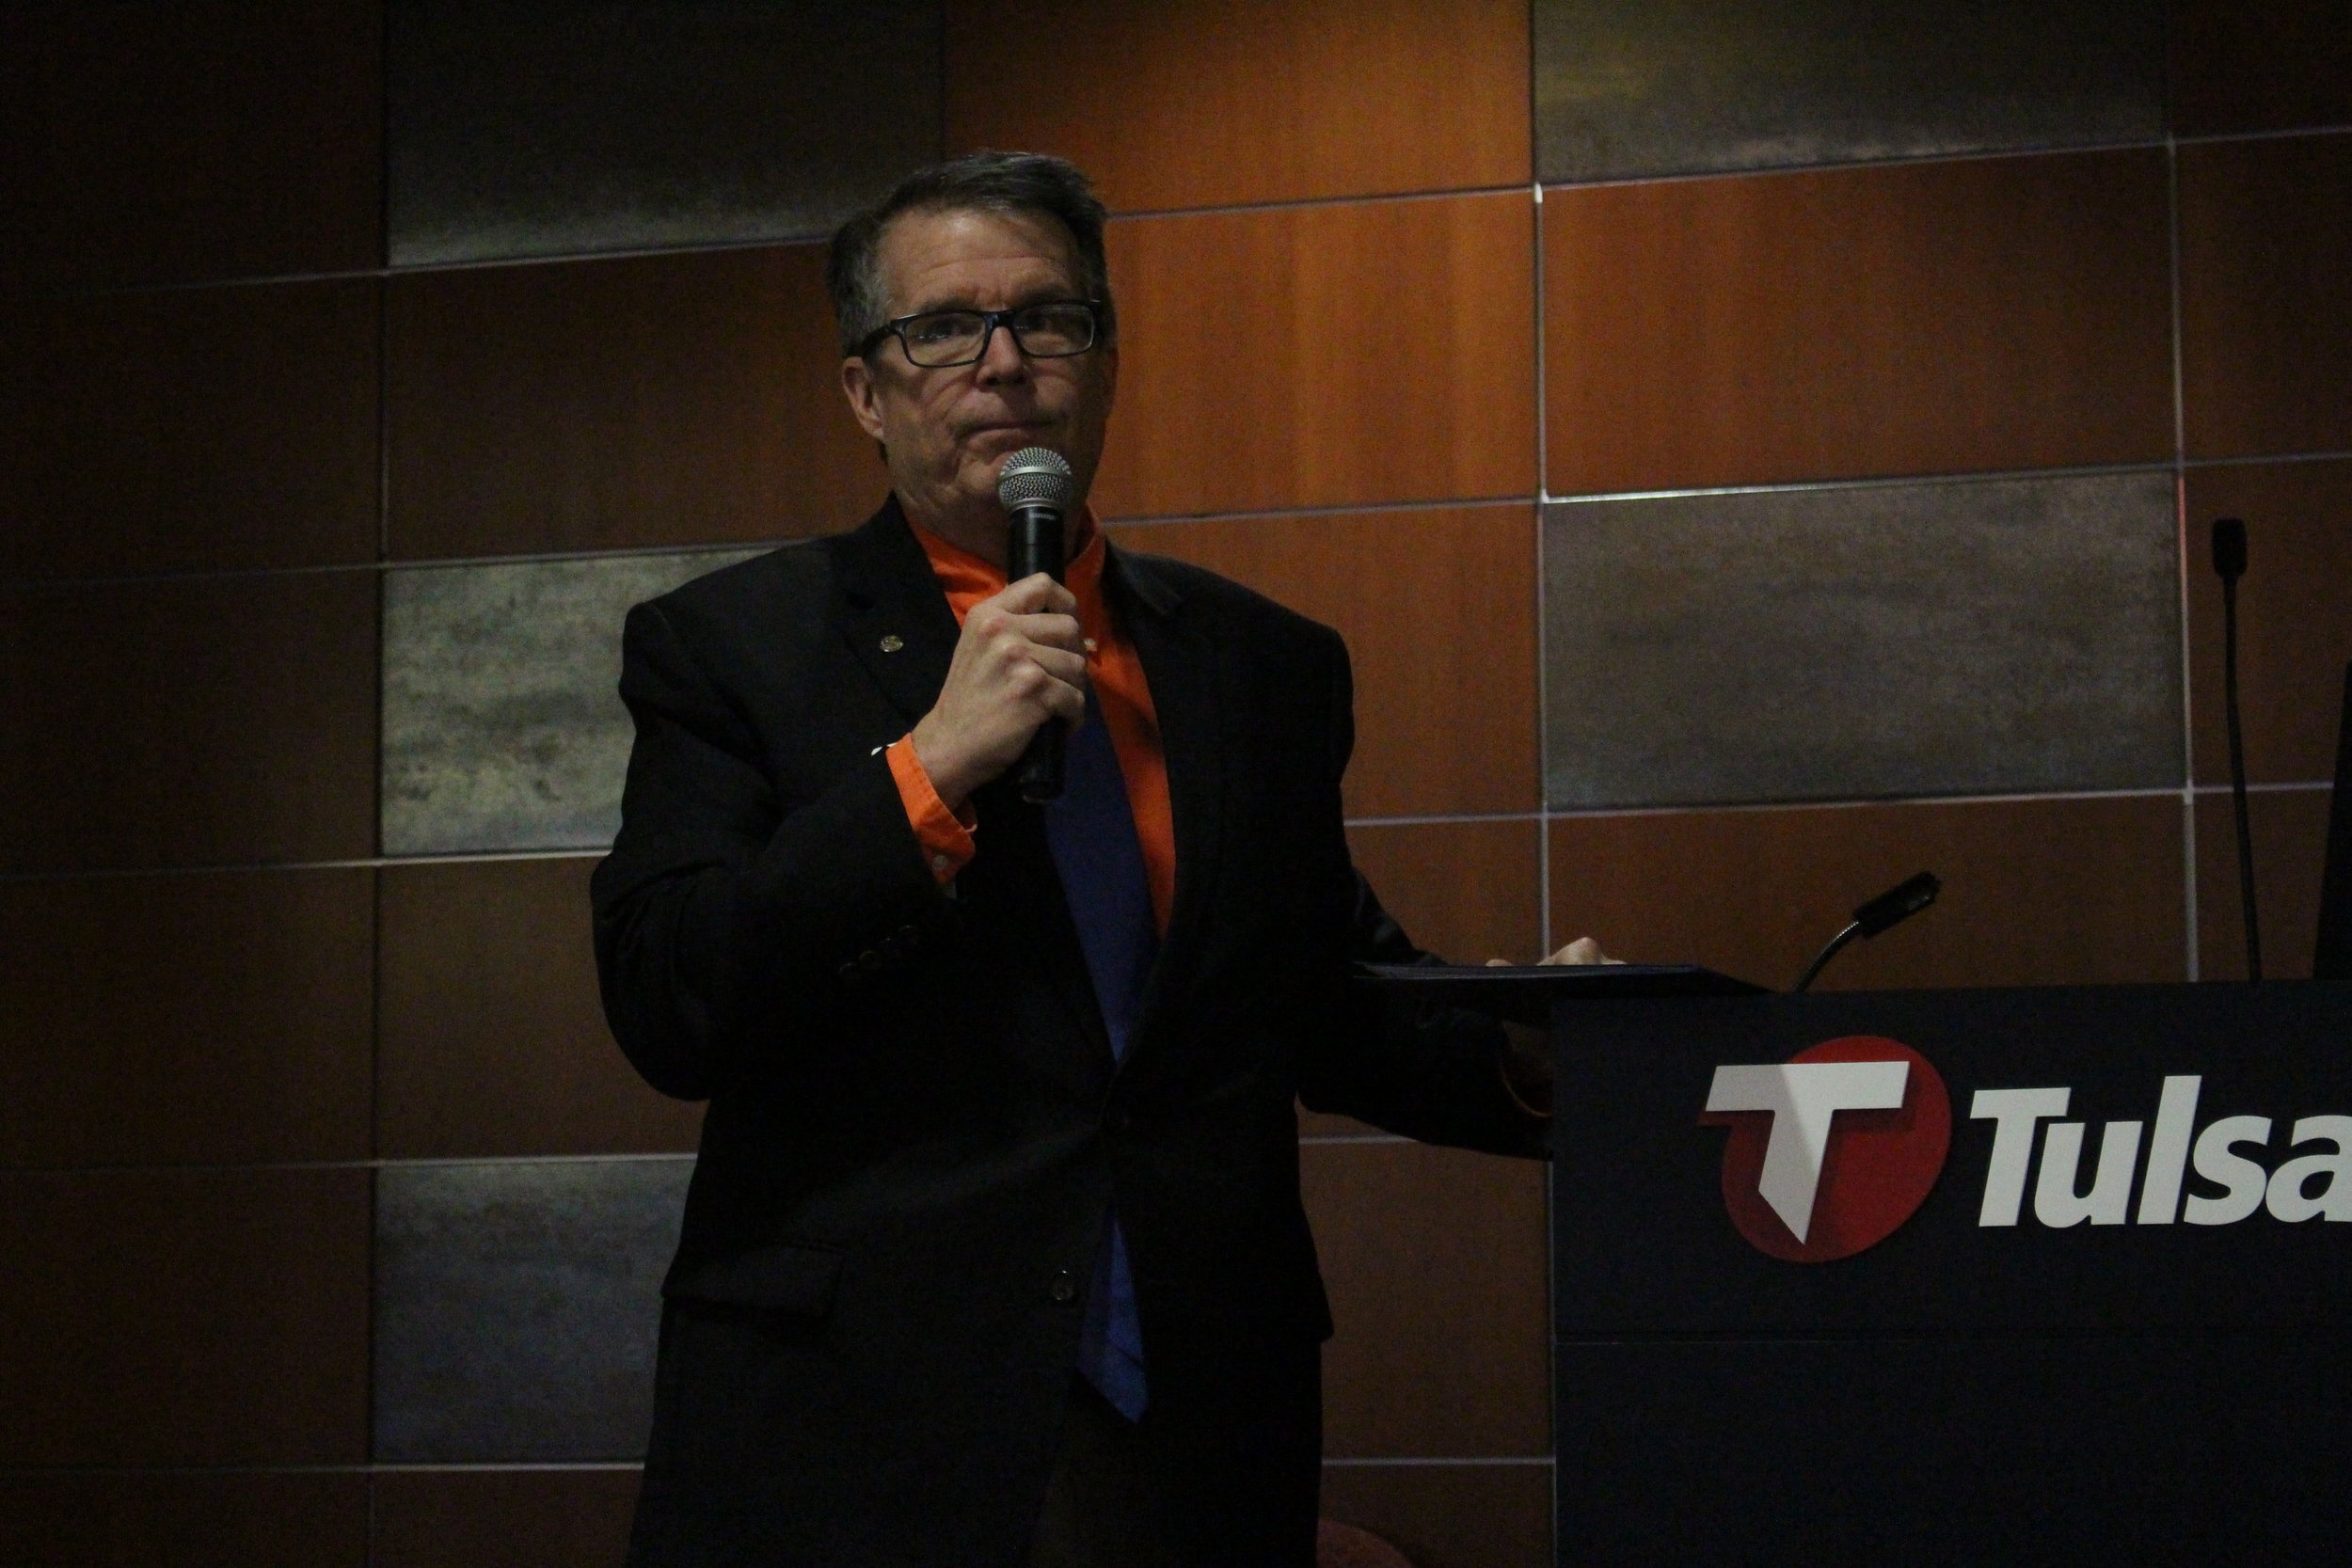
2224	138
375	1165
1155	520
1543	597
1874	481
2191	938
1530	1459
1334	1139
1911	160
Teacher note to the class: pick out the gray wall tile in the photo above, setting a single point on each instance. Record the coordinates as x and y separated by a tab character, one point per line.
517	1306
1947	638
1631	87
545	127
503	728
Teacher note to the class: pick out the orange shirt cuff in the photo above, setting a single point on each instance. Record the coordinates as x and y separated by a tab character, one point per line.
946	835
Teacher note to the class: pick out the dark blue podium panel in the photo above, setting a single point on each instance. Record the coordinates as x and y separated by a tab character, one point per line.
2115	1324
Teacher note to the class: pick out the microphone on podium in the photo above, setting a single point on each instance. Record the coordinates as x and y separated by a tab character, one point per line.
1889	909
1034	488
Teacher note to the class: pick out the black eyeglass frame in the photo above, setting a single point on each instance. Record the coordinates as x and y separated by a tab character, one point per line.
990	321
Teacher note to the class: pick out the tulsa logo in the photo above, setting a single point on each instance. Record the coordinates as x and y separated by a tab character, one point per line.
1832	1150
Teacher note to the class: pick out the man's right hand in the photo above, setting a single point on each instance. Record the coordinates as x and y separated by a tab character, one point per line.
1020	662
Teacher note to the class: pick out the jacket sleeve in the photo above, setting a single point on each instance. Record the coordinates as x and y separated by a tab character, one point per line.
727	925
1426	1072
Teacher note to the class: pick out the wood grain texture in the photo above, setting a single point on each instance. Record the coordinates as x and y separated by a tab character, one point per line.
1438	610
1471	891
2086	891
2295	616
1436	1260
502	1519
1450	1515
208	138
221	1018
148	1519
1339	355
2281	65
2290	853
602	405
196	721
1926	318
491	1038
188	430
2266	296
184	1317
1216	102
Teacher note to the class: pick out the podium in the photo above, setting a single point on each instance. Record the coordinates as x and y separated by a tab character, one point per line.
1981	1276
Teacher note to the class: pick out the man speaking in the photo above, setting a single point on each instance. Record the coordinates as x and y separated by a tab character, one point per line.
995	1252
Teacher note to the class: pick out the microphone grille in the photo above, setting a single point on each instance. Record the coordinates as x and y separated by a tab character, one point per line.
1034	474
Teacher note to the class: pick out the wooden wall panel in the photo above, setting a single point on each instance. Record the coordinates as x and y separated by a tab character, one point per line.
1438	610
2081	890
1471	891
493	1041
2281	65
1920	318
502	1518
2266	296
187	1019
197	429
197	722
604	405
2290	829
147	1519
184	1317
1323	356
1450	1515
1219	102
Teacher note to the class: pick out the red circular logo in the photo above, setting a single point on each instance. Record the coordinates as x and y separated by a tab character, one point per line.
1849	1163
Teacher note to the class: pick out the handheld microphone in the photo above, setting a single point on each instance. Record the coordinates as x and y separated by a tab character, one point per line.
1889	909
1034	488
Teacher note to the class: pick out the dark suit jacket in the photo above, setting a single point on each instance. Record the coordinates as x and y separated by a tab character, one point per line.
916	1128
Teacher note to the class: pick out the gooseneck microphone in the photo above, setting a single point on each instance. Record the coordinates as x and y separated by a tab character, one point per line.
1889	909
1034	488
2228	565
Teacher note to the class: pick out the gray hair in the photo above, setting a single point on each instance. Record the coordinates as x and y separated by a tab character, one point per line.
1030	182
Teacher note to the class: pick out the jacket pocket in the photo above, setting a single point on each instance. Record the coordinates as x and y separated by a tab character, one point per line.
780	1278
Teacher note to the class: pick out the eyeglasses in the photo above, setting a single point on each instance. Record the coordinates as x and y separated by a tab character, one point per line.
935	340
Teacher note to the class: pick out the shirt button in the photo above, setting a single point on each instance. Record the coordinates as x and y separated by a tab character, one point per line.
940	862
1065	1287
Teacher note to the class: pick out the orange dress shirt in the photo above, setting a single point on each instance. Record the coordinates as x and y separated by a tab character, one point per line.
1120	694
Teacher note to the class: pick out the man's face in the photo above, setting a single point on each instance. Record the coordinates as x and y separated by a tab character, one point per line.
946	431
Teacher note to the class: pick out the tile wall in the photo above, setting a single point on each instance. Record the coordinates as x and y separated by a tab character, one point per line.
1750	460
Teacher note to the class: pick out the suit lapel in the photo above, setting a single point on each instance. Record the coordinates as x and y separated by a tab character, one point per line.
892	610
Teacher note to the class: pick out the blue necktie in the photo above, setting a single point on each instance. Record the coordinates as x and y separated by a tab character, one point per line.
1092	834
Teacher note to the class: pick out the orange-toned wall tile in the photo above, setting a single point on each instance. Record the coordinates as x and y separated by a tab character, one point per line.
199	721
2266	296
492	1040
184	1317
1450	1515
2290	830
502	1518
1213	102
1471	890
185	1018
1434	1261
2280	64
189	429
2052	891
1438	610
214	138
596	404
2295	616
1921	318
150	1519
1323	356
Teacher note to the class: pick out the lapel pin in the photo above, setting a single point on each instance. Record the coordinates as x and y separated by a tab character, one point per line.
892	643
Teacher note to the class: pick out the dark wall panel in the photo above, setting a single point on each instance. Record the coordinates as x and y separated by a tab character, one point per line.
185	1018
1632	88
1450	1515
1927	318
1210	102
660	400
2295	616
1956	638
149	1520
184	1317
2059	892
189	430
492	1040
2279	65
203	721
502	1518
1438	610
2290	830
1390	350
536	128
170	140
2266	296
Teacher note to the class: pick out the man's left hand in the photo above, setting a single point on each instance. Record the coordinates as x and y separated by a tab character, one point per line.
1527	1056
